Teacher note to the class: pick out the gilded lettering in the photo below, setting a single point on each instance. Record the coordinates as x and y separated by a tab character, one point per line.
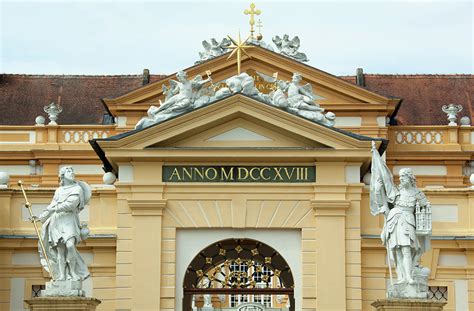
227	176
211	169
175	172
292	171
262	172
200	172
252	171
188	173
243	169
277	173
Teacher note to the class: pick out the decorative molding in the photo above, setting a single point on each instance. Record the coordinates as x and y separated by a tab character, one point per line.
326	208
147	207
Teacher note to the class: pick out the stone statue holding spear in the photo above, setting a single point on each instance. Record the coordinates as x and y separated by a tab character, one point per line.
60	234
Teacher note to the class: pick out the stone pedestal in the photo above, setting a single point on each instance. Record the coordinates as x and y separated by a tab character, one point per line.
66	288
408	304
63	303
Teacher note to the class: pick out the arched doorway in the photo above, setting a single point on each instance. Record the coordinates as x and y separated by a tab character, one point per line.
239	270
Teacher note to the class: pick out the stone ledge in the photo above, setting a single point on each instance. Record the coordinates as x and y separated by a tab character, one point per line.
63	303
408	304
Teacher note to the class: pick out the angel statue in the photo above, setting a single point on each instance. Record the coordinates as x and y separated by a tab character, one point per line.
298	99
182	96
213	49
289	47
407	227
62	230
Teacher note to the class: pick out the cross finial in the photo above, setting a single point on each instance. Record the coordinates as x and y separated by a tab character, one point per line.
252	12
259	25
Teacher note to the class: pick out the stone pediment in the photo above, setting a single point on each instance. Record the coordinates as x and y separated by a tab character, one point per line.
335	94
238	125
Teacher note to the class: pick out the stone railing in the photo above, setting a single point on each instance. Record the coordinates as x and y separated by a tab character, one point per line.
75	136
419	137
53	134
449	138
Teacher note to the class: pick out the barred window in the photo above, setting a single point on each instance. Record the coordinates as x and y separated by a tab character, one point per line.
438	293
36	290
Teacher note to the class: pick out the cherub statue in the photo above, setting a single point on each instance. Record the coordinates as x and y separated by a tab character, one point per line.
407	226
299	99
289	47
213	49
62	230
182	95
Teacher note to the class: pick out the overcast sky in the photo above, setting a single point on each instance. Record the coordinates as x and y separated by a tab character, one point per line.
123	37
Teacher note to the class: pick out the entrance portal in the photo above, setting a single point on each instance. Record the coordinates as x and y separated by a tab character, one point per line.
238	274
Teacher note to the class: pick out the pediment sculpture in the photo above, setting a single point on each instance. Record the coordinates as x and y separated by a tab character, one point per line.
289	47
186	95
285	46
213	49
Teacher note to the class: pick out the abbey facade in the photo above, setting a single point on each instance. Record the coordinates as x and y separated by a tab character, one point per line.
236	204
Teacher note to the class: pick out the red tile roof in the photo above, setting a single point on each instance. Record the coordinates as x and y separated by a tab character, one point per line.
424	95
22	97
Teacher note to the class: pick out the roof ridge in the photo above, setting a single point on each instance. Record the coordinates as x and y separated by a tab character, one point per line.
76	76
418	75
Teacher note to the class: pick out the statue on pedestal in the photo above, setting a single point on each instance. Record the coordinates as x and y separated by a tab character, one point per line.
407	227
61	232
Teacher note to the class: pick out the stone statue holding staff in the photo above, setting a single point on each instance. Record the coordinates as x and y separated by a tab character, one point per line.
407	226
62	230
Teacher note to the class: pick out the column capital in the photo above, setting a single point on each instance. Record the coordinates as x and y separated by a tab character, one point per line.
147	207
330	208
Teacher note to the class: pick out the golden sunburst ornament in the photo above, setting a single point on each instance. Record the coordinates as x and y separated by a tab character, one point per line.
238	47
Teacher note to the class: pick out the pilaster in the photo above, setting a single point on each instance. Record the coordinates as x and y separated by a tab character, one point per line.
331	253
146	252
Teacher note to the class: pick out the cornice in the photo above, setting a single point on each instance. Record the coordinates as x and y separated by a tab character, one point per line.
330	208
147	207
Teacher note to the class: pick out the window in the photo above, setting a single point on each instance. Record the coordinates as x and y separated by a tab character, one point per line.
36	290
438	293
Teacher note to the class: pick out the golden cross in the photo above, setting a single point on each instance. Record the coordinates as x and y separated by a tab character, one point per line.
238	48
252	12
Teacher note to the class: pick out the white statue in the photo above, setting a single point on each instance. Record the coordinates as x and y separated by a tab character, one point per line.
289	47
213	49
62	230
182	96
407	227
298	99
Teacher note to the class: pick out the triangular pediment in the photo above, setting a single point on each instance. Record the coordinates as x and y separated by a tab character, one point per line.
240	134
334	93
215	127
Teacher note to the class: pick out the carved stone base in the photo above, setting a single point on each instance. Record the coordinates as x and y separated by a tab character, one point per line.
408	304
67	288
63	303
417	290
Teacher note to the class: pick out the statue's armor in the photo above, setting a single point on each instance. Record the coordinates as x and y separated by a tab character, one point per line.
401	224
